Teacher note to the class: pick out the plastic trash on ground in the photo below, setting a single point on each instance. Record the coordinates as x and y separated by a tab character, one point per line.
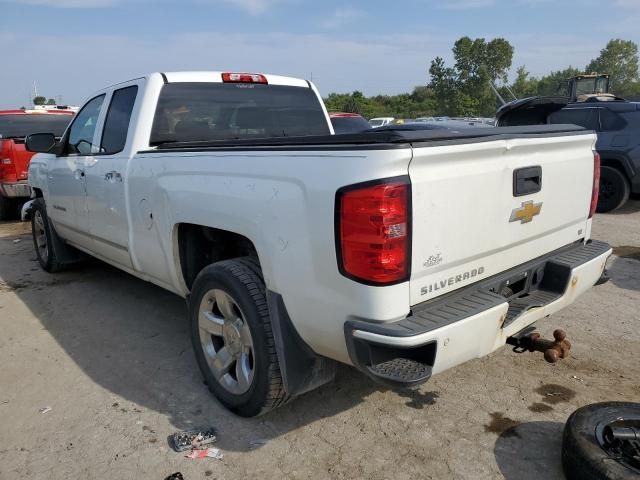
209	452
193	439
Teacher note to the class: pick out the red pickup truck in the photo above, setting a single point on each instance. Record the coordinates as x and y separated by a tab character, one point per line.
15	125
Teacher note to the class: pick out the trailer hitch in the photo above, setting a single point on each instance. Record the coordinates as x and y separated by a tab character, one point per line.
553	350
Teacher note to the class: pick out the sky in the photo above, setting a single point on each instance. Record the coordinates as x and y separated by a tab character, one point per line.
72	48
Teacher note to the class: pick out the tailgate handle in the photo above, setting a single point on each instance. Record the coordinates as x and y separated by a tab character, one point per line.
527	180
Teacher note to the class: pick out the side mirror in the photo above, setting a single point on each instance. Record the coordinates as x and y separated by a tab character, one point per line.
40	142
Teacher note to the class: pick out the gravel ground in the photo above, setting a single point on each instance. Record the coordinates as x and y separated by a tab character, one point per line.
110	355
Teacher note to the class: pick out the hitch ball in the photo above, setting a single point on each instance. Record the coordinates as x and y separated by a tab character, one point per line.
553	350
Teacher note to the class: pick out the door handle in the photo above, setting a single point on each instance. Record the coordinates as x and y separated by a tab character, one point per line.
78	174
527	180
113	176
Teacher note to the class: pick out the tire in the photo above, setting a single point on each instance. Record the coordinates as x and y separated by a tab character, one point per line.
43	233
232	337
614	190
582	456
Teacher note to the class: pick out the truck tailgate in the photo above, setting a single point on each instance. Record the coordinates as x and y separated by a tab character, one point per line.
468	223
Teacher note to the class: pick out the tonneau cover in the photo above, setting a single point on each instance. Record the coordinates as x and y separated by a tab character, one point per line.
400	134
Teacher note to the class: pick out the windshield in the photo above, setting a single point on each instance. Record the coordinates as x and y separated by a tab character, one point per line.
21	125
349	124
591	85
189	112
376	123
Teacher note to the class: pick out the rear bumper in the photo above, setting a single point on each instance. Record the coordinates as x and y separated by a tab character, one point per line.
476	320
15	190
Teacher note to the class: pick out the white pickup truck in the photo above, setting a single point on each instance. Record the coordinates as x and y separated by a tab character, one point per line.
400	251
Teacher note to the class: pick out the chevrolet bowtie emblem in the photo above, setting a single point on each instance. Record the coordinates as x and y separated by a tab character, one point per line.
526	212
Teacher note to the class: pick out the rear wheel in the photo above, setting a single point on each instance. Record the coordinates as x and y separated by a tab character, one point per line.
232	337
614	190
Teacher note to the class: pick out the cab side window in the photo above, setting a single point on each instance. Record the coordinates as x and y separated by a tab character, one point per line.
610	121
583	117
80	141
116	125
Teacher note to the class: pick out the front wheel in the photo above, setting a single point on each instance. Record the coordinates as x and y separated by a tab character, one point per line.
232	337
43	238
614	190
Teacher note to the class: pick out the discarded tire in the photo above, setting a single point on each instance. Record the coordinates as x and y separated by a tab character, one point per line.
585	455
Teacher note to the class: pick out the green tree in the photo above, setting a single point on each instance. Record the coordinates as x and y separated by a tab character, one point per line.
444	84
465	89
354	103
524	84
620	60
39	100
555	83
51	101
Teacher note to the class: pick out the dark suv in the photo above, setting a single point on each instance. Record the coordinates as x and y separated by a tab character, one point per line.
617	123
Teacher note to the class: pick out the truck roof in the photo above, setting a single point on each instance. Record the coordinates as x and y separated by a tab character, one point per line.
213	77
216	77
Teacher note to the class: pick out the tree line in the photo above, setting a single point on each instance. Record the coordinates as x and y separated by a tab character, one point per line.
464	88
40	100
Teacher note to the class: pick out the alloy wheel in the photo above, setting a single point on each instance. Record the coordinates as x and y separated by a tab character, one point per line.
226	341
41	237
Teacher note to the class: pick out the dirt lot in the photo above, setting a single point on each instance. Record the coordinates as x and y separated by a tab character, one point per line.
111	356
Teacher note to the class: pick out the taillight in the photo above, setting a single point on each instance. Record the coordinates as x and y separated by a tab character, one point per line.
596	184
5	152
373	231
243	78
5	158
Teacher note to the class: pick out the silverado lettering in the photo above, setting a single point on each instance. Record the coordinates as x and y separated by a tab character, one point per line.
451	281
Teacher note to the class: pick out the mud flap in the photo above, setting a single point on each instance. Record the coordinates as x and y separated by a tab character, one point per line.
302	369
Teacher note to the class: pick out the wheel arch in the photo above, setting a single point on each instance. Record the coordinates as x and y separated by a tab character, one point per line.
200	245
619	162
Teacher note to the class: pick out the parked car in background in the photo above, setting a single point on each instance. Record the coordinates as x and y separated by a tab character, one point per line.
425	119
297	249
15	125
348	122
617	123
381	121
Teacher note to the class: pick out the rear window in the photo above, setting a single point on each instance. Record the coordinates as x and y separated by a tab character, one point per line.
349	124
189	112
21	125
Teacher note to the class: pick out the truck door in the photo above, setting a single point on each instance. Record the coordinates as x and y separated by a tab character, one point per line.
66	202
106	178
